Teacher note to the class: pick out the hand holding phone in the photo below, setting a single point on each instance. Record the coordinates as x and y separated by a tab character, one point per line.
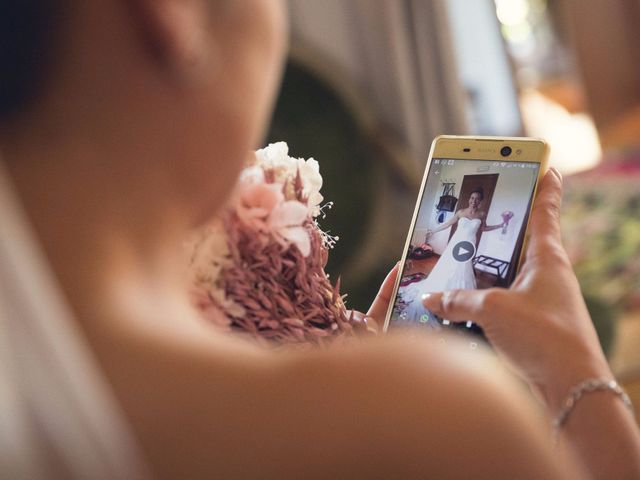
473	210
540	324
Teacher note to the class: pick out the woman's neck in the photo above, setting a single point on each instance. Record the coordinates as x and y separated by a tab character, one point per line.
109	250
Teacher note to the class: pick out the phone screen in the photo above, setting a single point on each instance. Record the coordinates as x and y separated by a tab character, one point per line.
468	234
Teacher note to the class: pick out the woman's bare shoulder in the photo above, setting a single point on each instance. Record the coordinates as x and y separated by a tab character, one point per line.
427	403
391	407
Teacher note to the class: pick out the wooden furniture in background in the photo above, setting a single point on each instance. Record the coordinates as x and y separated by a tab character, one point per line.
606	39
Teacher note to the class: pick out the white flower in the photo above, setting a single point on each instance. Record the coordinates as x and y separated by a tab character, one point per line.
312	182
310	172
276	155
288	219
252	175
285	168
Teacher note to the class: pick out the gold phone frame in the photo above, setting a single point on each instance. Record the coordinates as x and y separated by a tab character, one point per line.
476	148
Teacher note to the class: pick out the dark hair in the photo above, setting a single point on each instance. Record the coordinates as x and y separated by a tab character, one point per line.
479	191
27	30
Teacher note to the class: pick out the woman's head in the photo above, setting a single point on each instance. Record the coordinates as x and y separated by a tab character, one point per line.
476	197
173	92
27	29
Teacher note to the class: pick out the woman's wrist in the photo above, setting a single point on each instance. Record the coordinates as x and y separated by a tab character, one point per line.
586	388
566	378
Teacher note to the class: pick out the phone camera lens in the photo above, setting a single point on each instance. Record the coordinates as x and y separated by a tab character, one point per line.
505	151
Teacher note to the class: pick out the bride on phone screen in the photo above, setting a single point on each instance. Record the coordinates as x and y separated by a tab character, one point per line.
454	269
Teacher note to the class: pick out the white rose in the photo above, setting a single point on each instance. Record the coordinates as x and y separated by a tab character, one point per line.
312	183
252	175
276	155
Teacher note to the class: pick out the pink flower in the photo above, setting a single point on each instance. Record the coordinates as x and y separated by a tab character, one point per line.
256	202
288	219
507	216
247	276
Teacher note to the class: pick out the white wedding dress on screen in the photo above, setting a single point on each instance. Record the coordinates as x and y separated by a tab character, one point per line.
449	273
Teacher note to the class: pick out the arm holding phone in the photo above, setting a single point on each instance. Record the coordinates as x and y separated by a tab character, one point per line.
542	327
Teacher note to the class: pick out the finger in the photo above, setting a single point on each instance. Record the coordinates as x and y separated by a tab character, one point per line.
372	325
355	316
479	306
361	322
380	305
544	227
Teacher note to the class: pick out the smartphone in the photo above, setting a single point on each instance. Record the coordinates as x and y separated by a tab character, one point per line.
469	226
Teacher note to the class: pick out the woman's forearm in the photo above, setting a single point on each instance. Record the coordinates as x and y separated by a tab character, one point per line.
445	225
542	326
602	431
488	228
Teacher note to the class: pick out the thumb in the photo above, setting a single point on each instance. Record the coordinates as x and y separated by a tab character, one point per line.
479	306
380	305
544	227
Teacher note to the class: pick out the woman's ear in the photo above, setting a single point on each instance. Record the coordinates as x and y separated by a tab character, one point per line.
176	33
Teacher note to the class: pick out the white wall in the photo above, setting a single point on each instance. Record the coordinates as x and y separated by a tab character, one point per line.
512	192
484	68
400	57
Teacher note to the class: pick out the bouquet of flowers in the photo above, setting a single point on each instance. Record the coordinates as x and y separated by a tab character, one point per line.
258	267
506	218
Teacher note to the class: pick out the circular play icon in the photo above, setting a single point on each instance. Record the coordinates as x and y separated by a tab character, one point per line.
464	251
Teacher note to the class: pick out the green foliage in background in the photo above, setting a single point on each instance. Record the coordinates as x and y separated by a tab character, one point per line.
601	226
601	229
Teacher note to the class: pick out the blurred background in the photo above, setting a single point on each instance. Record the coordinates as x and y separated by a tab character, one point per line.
369	83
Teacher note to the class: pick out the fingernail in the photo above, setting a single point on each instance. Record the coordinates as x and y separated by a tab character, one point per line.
425	298
556	172
371	324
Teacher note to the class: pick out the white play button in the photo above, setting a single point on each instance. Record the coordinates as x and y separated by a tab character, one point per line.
464	251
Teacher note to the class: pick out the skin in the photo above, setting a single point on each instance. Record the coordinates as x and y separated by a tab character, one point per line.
471	212
541	326
144	125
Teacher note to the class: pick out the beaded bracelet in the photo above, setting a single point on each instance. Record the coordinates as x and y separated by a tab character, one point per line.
589	386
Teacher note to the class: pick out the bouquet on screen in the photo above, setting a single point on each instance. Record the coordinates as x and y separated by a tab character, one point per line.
258	268
506	218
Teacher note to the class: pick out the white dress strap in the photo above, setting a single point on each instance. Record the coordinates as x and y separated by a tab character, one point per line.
58	418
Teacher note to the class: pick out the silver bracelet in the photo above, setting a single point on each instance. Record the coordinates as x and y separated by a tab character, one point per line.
589	386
